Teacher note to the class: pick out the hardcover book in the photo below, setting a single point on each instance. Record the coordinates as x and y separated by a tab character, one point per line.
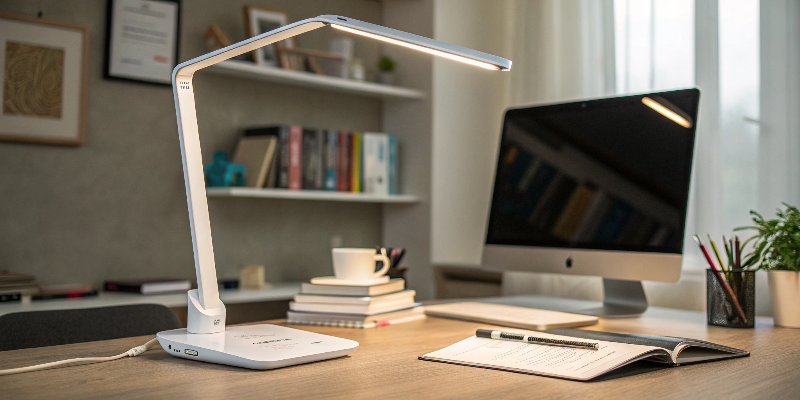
295	158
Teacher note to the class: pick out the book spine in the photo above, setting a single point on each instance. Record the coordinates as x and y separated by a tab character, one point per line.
381	166
331	160
394	183
310	162
369	161
283	161
295	157
113	287
64	295
343	173
355	163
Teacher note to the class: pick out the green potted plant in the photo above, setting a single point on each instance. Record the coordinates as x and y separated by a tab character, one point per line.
776	248
385	71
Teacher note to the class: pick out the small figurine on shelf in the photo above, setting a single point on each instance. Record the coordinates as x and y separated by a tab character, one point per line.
222	173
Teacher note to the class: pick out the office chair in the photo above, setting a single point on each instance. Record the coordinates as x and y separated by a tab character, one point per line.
24	330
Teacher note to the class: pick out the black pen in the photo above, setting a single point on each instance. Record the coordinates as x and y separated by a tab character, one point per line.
518	337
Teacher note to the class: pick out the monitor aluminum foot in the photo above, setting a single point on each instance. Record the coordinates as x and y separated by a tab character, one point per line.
622	299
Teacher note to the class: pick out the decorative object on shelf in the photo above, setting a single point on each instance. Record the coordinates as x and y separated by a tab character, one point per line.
215	38
44	70
222	173
251	277
385	71
309	60
343	46
259	20
776	248
357	70
142	40
731	289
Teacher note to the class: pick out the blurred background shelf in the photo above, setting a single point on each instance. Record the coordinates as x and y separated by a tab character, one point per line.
243	69
308	195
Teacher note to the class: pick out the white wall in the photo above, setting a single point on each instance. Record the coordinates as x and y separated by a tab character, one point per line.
468	105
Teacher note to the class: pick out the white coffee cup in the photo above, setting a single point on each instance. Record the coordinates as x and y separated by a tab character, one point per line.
358	264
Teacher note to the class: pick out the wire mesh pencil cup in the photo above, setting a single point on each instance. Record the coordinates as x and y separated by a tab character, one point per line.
720	310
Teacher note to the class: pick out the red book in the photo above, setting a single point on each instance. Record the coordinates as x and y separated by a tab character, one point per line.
343	162
295	157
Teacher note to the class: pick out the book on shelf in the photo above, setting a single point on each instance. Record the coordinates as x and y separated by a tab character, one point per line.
256	154
343	162
15	285
376	163
65	292
331	161
312	159
295	157
355	320
394	285
148	285
282	180
355	162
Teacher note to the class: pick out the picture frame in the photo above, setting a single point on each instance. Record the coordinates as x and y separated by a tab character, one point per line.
259	20
142	40
44	67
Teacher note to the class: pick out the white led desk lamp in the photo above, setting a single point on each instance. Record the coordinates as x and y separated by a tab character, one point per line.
260	346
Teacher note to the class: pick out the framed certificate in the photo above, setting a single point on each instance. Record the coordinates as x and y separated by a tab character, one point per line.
142	40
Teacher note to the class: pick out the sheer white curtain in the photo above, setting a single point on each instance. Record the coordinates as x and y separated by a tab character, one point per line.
562	49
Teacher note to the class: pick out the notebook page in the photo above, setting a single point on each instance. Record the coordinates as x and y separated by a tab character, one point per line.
564	362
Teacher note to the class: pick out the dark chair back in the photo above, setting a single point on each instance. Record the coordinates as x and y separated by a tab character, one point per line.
24	330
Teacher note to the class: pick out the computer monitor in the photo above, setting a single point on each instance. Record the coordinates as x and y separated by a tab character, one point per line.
597	187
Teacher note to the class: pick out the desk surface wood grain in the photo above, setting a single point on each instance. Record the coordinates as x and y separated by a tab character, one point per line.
386	366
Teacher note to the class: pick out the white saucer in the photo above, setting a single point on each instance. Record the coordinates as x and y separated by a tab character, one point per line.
331	280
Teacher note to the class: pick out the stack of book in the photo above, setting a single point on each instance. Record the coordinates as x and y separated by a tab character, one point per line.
295	158
15	285
354	306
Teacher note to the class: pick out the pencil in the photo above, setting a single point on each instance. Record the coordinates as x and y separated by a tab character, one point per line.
716	252
722	281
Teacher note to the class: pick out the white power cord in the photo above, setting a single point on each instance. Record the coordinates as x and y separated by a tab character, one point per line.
86	360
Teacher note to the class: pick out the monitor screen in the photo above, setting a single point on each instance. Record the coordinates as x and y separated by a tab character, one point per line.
608	174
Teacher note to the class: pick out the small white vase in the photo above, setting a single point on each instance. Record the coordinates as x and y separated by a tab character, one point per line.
784	293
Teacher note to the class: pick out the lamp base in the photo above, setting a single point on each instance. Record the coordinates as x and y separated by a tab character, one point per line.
255	346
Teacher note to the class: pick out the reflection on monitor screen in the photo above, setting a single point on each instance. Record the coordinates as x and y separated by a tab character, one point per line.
608	175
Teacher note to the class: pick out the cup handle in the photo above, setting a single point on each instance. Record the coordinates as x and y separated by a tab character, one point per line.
381	257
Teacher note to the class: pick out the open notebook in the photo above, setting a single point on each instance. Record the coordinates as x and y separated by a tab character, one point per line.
615	350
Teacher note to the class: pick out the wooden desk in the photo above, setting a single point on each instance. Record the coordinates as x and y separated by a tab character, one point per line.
386	365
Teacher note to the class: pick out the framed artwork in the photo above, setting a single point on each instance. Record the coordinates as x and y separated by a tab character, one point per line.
44	69
142	40
259	20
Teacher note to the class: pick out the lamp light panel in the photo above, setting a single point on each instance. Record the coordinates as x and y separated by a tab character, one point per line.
421	48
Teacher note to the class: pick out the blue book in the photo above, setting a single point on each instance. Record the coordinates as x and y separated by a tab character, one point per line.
612	224
331	158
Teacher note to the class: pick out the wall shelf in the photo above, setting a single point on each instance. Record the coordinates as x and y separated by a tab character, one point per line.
308	195
243	69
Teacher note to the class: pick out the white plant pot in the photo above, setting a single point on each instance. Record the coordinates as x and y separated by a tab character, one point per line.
784	292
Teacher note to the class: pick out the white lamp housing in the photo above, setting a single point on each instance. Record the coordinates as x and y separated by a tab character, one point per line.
206	314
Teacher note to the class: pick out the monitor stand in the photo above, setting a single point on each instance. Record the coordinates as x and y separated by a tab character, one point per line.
622	299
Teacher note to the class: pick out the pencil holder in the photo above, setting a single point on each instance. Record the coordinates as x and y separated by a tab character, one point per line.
720	310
